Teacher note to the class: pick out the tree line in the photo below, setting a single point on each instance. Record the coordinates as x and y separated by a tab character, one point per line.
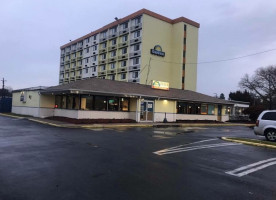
259	90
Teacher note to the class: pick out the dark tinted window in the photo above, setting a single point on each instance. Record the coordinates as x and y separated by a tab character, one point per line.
269	116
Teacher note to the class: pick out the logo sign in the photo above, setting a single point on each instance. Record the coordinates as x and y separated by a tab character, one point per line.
160	85
157	50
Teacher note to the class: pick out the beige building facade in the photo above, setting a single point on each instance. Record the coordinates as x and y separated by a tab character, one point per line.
141	47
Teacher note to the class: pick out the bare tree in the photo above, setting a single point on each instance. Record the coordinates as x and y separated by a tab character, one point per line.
262	84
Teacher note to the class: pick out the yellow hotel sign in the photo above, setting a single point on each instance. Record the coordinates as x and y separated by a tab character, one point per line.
160	85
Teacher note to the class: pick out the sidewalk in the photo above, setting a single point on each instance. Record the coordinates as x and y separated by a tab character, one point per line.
118	125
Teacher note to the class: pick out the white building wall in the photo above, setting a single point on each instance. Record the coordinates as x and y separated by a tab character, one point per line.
88	114
195	117
32	111
66	113
159	117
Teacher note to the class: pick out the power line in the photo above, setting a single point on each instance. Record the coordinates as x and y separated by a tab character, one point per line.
223	60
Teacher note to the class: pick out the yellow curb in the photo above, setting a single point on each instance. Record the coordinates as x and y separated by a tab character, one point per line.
7	115
48	123
114	126
214	125
249	143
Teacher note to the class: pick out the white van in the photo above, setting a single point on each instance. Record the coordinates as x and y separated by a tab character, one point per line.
266	125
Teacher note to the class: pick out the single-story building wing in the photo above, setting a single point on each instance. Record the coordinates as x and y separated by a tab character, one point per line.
106	99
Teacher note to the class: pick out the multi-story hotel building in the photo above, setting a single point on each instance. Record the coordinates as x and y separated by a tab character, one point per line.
141	47
144	48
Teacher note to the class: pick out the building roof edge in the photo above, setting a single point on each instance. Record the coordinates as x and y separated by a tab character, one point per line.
131	16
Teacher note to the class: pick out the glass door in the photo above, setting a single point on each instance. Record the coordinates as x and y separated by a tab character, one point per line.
146	112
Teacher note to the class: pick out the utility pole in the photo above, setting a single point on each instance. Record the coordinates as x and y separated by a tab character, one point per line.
3	94
3	87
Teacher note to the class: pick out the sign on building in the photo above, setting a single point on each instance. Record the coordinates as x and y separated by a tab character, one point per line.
160	85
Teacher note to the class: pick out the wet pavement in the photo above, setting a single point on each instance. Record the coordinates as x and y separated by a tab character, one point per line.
44	162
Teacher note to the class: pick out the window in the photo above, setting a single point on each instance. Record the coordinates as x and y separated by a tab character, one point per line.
80	72
137	20
94	58
100	103
113	30
181	108
136	47
94	48
124	50
80	43
86	102
125	25
113	103
103	67
67	75
113	53
104	34
269	116
112	66
95	37
87	40
134	74
112	77
104	45
123	63
80	53
103	56
123	105
135	61
86	60
124	38
58	101
137	34
93	69
87	50
204	109
211	109
113	42
103	77
86	70
123	76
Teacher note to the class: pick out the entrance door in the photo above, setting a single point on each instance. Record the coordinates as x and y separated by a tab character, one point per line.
146	112
219	112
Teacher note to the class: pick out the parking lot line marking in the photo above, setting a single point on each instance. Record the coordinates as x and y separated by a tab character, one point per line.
178	150
192	143
239	172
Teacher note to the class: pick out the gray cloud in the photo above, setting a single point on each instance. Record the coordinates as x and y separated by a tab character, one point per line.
32	32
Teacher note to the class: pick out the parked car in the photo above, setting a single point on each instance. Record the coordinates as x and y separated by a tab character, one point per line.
266	125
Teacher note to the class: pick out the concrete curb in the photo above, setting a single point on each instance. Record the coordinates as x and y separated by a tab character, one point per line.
249	143
7	115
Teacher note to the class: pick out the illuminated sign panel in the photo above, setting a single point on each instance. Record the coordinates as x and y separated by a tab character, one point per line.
157	50
160	85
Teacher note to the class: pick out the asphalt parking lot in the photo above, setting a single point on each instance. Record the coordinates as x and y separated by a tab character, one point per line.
44	162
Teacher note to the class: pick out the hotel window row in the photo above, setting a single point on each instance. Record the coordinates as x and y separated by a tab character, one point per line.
120	44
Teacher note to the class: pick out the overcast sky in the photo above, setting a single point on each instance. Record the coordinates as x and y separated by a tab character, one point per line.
32	32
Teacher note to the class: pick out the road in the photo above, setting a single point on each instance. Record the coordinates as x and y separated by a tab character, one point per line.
43	162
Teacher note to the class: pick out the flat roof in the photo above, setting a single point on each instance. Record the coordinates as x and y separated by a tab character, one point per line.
128	89
131	16
31	89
